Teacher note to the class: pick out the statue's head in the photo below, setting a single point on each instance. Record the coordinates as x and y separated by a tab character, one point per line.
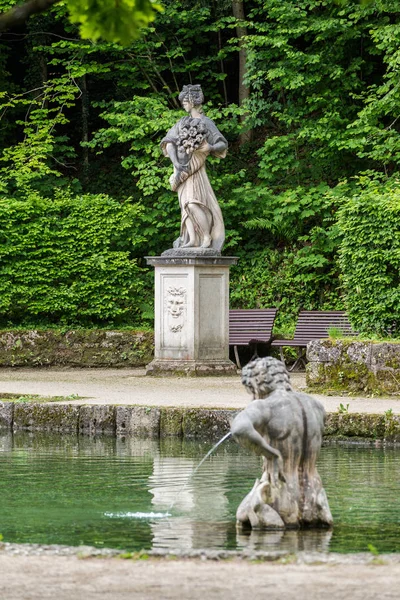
191	96
263	376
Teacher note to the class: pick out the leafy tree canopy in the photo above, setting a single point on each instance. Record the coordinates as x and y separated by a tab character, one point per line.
82	121
117	21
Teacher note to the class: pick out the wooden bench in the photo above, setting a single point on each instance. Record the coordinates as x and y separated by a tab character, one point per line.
250	327
314	325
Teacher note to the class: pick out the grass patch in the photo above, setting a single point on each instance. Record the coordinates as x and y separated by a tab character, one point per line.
18	398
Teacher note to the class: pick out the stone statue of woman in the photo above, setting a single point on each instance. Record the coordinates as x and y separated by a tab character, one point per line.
188	143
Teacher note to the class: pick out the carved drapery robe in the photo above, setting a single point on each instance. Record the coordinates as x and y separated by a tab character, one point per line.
194	188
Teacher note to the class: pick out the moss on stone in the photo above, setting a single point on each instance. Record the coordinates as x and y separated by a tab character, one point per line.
360	425
46	417
171	421
392	428
354	367
97	419
76	348
6	415
201	422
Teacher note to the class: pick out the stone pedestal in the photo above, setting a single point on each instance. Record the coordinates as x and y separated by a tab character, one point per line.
191	315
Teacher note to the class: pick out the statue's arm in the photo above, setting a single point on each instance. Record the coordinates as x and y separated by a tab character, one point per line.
172	153
244	430
219	147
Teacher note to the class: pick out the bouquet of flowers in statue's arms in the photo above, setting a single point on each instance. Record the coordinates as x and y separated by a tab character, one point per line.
191	134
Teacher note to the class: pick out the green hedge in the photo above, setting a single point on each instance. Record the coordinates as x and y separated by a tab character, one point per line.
68	260
370	256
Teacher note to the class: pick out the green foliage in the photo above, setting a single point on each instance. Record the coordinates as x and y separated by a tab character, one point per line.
343	409
118	22
304	217
88	117
373	549
68	259
335	333
273	277
315	67
370	255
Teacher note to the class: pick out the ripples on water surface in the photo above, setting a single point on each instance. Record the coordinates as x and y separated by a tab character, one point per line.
118	494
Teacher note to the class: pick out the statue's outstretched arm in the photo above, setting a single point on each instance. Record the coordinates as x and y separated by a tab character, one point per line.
244	432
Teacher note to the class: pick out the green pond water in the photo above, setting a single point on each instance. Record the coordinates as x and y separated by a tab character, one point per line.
114	493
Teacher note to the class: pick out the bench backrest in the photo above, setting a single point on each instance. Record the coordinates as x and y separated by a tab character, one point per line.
248	325
314	325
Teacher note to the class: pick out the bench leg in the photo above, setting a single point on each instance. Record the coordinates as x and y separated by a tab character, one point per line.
239	366
255	353
301	357
281	354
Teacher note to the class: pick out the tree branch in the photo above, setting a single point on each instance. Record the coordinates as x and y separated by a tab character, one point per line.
21	12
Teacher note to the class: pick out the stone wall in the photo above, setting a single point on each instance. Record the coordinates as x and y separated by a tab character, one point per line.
79	348
122	421
354	366
187	423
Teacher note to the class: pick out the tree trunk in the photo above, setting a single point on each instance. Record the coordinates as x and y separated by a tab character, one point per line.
244	90
85	129
17	15
222	68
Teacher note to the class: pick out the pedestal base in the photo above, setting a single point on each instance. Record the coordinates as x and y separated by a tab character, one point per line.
191	368
300	502
191	325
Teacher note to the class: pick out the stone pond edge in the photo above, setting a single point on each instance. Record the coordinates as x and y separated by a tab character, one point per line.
185	423
284	557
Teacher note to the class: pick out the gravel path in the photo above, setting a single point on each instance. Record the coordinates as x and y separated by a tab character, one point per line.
111	386
68	577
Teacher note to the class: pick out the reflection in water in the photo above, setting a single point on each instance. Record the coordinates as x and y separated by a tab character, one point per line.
309	540
193	499
108	492
137	515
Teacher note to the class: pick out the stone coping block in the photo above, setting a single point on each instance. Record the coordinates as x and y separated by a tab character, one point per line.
191	368
355	425
76	348
171	422
97	419
46	417
356	366
6	415
138	422
203	422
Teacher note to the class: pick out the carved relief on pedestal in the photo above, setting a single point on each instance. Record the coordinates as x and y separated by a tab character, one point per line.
175	303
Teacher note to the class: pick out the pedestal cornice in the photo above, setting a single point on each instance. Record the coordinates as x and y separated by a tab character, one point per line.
189	260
